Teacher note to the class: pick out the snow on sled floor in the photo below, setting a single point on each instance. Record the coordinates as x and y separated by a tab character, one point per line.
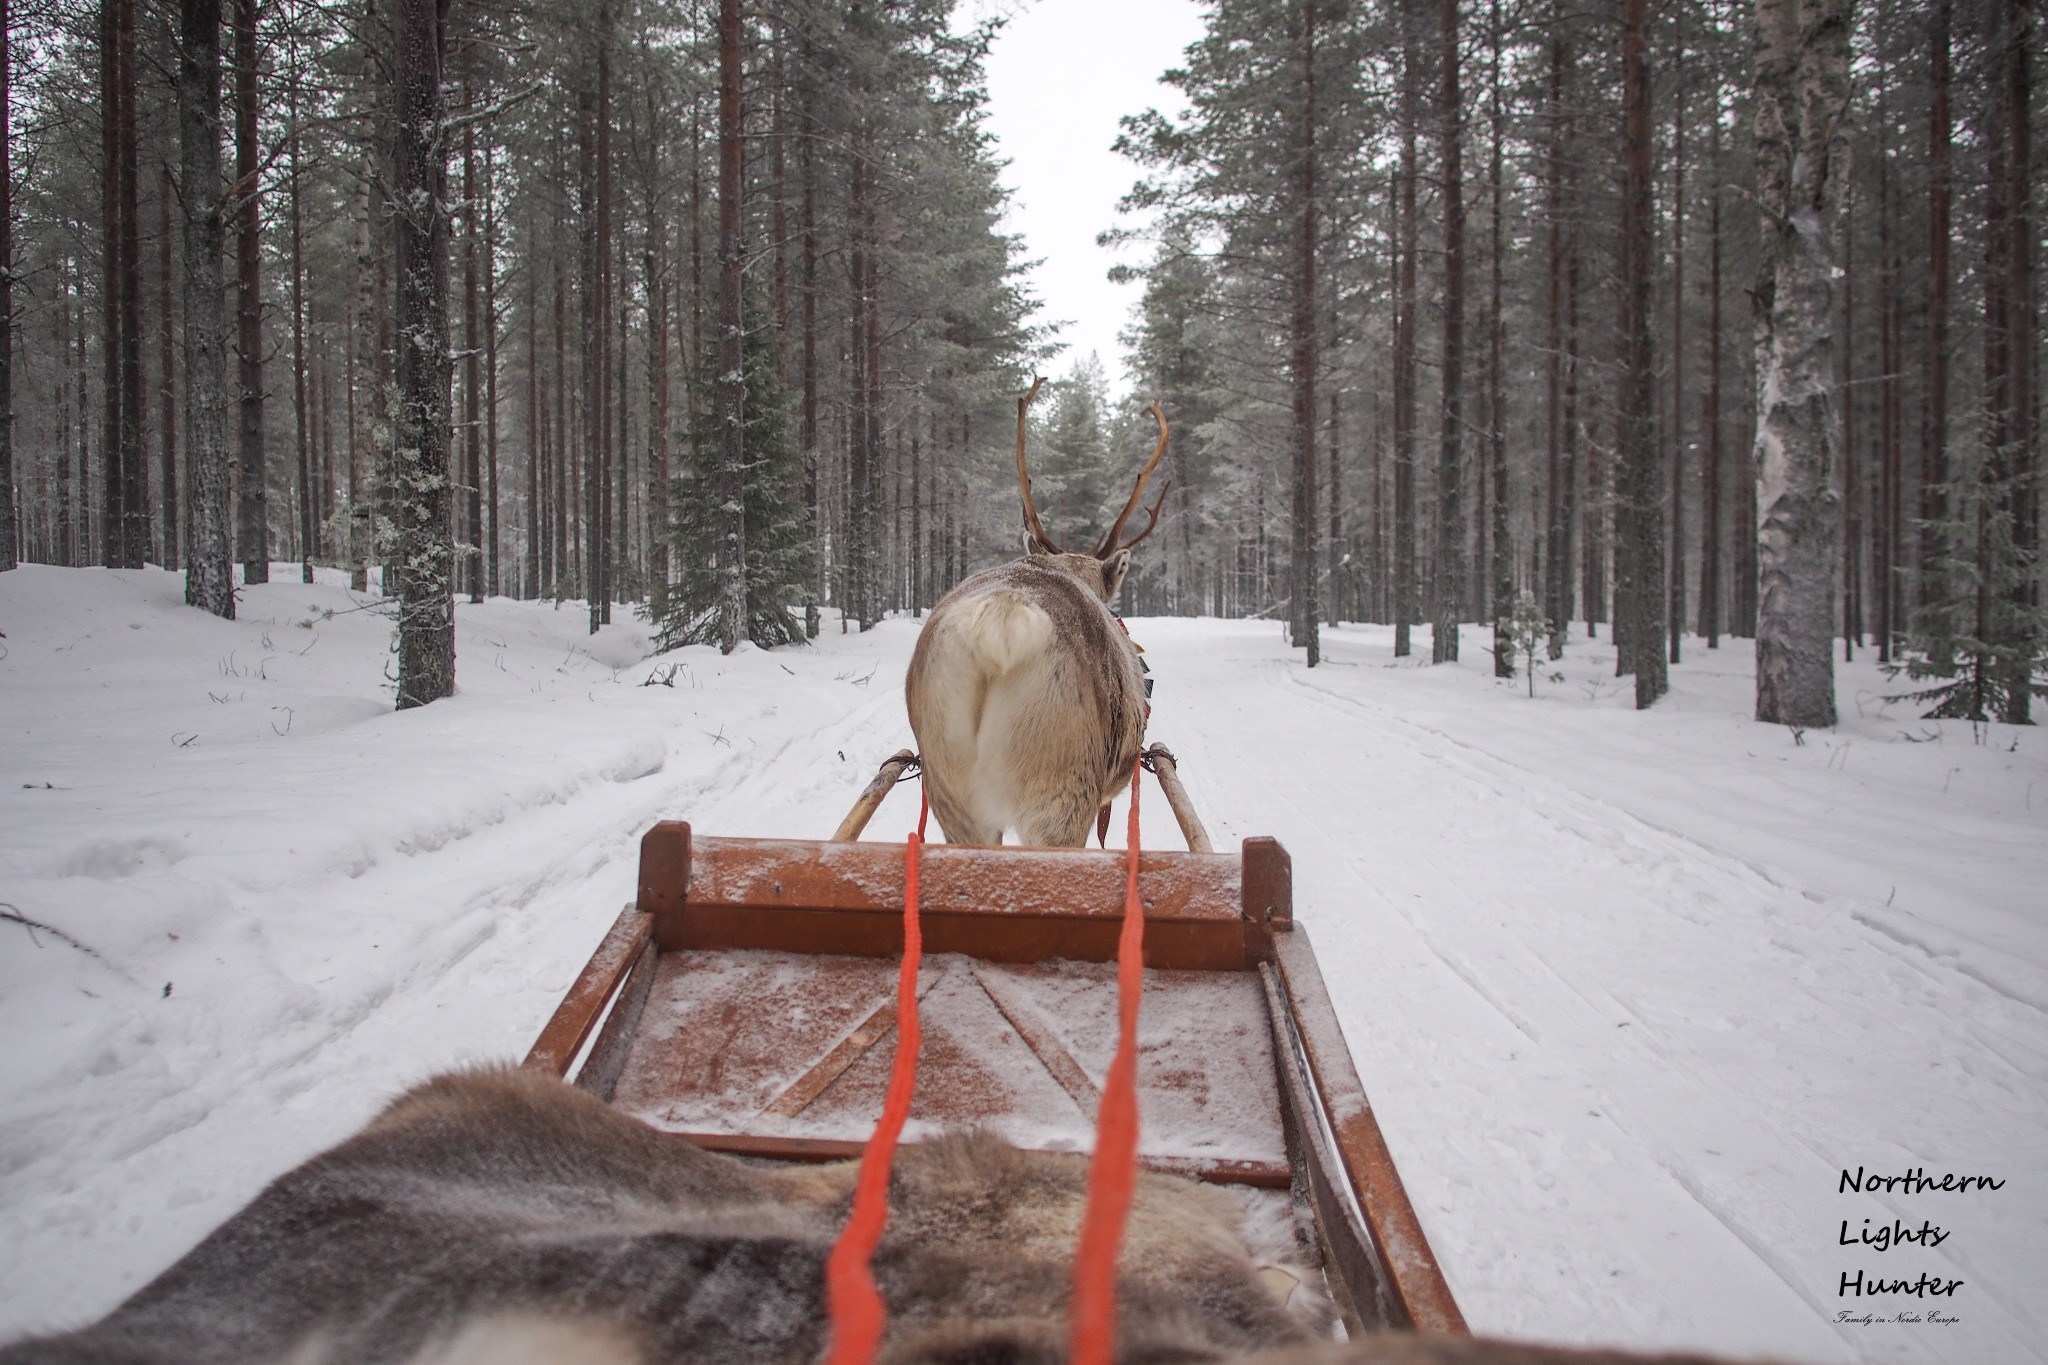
730	1038
1629	990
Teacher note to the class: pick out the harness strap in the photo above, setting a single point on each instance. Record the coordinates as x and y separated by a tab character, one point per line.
858	1315
855	1305
1113	1170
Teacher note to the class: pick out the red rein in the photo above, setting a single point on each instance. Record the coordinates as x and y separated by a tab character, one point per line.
855	1305
1114	1168
858	1315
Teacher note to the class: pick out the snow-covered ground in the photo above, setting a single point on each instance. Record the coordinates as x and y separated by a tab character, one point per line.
1630	990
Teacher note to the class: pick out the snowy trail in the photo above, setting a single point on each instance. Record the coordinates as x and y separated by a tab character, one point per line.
1584	1033
478	888
1626	989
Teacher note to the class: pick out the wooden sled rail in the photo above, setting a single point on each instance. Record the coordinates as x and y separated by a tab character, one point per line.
1203	911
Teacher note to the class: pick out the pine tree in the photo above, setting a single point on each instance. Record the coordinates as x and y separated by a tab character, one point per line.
1979	639
780	575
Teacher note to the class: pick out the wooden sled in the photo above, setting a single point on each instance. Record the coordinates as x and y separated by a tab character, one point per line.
747	1000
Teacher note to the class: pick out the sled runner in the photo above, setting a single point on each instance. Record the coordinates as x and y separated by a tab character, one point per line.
747	999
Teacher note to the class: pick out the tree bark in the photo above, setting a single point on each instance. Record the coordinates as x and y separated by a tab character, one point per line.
1302	357
1404	347
1931	585
492	542
424	501
1450	475
252	534
598	556
472	366
10	551
1561	367
1674	615
114	485
1503	565
1639	609
659	275
808	414
167	392
1711	418
1802	93
732	384
209	574
308	546
134	458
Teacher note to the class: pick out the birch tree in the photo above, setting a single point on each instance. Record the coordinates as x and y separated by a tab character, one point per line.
1802	96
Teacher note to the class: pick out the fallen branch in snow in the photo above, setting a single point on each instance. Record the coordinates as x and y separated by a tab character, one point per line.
13	916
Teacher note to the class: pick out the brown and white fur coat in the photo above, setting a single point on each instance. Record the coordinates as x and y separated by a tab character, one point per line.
1027	699
503	1216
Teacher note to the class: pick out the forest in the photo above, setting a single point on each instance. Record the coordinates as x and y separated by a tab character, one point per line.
1687	321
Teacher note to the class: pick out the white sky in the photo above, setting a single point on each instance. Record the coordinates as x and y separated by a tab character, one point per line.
1060	75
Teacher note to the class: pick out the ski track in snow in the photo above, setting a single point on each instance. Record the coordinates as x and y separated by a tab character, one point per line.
1626	1001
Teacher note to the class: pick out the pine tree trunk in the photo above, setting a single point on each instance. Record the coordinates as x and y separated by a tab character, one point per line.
658	395
1404	349
598	306
1802	92
492	504
209	575
114	485
1674	615
1852	471
10	550
732	383
1302	360
1639	576
135	524
1561	365
472	367
1932	589
362	367
1713	423
1503	565
533	563
2010	556
252	532
808	416
423	501
1888	547
1450	520
167	393
308	547
1333	603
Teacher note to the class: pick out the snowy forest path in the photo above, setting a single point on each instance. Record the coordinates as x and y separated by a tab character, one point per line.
1595	985
1624	986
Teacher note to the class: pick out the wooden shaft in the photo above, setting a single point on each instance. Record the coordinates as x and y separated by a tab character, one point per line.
1177	796
871	796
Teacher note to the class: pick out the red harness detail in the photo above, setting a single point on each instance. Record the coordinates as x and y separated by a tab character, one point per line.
857	1312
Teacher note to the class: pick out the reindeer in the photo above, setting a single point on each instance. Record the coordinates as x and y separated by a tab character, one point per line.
1025	693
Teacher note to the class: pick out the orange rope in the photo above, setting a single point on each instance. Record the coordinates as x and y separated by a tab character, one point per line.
857	1311
1113	1171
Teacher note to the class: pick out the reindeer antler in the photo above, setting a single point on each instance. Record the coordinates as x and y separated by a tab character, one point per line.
1109	546
1031	521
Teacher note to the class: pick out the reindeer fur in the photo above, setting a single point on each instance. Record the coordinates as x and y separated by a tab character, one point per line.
1027	700
501	1215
